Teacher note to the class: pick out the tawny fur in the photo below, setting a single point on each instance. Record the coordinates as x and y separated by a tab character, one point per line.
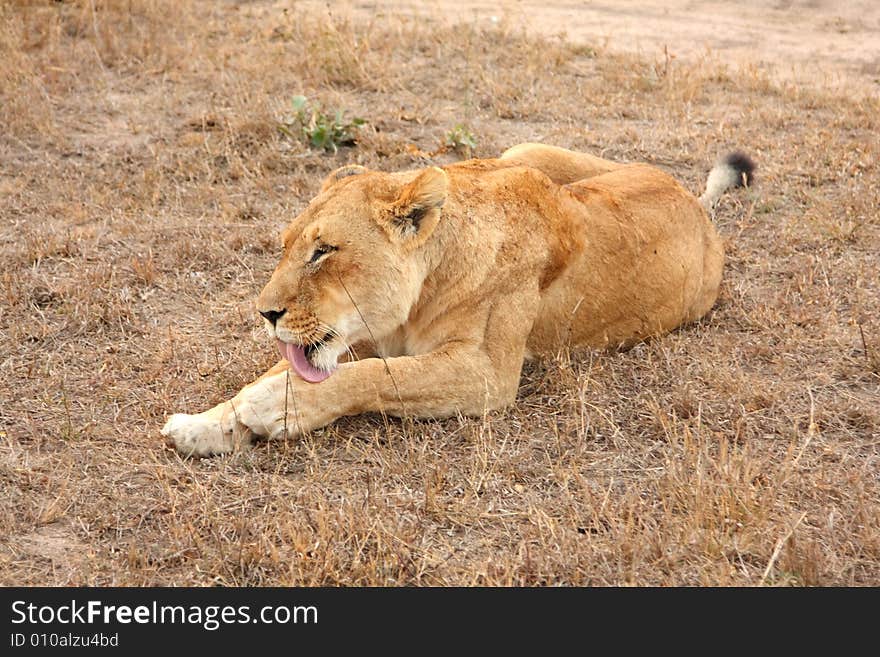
454	276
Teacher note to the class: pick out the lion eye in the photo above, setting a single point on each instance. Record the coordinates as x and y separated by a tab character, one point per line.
320	251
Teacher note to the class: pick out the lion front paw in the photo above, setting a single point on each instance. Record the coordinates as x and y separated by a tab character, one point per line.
201	435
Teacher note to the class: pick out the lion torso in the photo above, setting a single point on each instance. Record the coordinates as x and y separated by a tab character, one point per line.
614	258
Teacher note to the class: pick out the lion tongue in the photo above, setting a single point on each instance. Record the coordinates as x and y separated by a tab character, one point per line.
296	356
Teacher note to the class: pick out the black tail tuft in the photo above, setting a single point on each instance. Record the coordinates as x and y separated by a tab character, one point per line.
743	165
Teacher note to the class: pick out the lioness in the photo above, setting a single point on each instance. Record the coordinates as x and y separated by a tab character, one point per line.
420	293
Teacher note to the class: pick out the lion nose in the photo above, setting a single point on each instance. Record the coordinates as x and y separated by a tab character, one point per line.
273	315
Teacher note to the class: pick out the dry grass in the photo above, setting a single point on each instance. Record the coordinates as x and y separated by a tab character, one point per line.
142	186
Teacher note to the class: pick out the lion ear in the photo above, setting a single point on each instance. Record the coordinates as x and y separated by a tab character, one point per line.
342	172
416	212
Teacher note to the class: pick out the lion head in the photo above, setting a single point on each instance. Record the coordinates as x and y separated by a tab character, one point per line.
351	268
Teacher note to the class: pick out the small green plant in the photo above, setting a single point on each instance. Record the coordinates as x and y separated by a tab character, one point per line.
461	140
320	129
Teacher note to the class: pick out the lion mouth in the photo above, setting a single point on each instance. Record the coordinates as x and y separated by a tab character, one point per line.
300	359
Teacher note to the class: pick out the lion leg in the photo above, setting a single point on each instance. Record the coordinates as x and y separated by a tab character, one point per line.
477	369
218	430
438	384
467	376
561	165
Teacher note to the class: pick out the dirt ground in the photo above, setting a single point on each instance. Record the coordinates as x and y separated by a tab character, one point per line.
819	41
143	184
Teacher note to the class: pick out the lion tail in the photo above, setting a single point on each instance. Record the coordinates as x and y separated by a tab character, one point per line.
733	170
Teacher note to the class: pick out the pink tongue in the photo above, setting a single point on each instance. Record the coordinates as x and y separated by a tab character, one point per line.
296	356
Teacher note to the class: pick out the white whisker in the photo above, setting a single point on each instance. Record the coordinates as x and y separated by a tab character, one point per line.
334	334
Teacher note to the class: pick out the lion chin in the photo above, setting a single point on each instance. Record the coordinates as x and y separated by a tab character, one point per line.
421	293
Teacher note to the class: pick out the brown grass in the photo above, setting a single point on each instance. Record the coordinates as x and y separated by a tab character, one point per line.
142	187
